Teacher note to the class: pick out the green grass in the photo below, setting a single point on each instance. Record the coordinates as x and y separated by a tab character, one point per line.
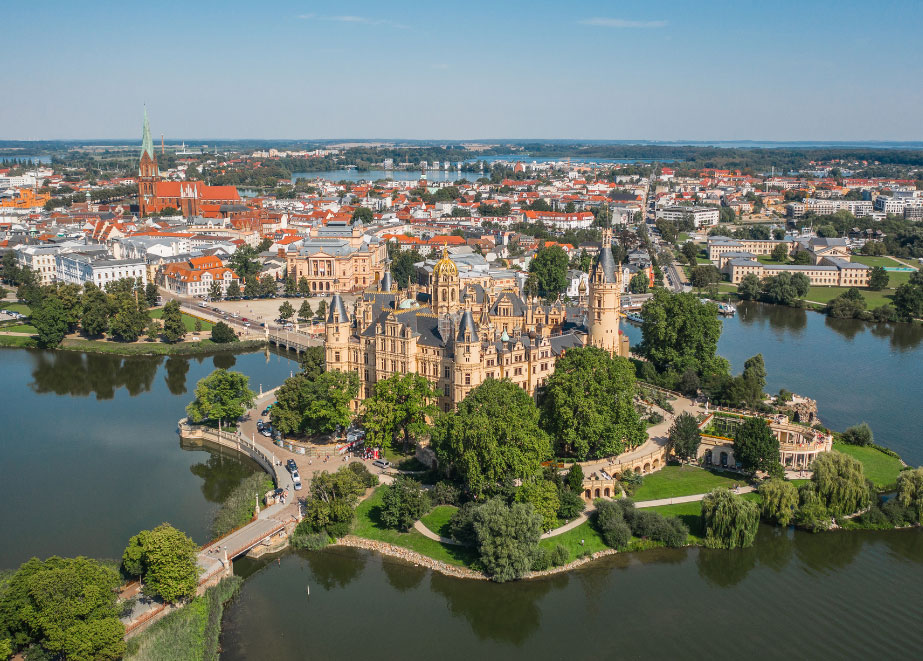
17	341
702	259
691	515
21	308
682	237
571	541
886	262
369	526
188	320
767	259
880	468
159	348
438	519
873	299
672	481
20	328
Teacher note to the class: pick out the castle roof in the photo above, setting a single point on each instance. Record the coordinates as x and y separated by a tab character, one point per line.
337	307
468	326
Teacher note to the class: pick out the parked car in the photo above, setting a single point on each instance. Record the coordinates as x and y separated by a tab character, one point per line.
266	431
296	478
291	466
381	463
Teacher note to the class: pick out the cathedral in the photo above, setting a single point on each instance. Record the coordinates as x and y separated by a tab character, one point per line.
459	336
190	198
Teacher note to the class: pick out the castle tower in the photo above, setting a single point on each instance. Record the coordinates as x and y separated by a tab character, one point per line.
444	289
337	336
148	173
467	356
603	308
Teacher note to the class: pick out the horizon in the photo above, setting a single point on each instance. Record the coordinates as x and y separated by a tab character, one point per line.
708	72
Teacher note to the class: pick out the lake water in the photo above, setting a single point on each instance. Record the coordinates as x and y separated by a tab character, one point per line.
375	175
89	453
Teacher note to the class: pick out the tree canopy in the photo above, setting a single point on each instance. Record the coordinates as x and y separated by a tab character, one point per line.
399	407
680	332
222	396
314	403
684	437
839	482
730	521
507	537
166	561
778	501
755	446
173	328
548	272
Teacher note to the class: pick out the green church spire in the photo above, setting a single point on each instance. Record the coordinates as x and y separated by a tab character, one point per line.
147	145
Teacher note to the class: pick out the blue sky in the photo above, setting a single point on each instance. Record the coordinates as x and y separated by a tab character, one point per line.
703	70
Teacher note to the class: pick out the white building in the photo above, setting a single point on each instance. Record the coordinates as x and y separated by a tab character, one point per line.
79	268
701	216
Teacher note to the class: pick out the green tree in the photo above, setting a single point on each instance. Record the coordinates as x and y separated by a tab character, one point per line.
291	285
684	437
404	502
399	407
785	288
322	309
730	521
264	245
801	258
860	434
755	446
506	537
286	311
66	607
878	278
331	501
908	301
548	272
174	329
574	478
305	312
317	405
267	287
609	520
313	362
588	405
780	253
492	438
691	252
71	299
166	561
50	321
749	287
910	491
848	305
754	378
151	294
363	214
222	395
679	332
251	287
222	333
304	288
214	290
95	317
639	283
244	262
233	292
129	320
543	496
704	275
778	501
154	328
840	483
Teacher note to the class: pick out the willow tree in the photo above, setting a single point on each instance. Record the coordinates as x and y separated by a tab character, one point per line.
910	491
839	482
730	521
778	501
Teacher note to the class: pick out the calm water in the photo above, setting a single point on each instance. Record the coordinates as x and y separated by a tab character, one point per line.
374	175
89	453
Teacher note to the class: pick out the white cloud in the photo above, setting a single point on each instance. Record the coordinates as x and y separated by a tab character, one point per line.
358	20
621	23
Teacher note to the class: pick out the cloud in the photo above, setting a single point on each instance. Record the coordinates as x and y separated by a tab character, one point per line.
621	23
356	20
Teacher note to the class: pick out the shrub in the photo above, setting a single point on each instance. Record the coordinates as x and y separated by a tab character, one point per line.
611	524
404	501
366	478
910	492
860	434
222	333
559	555
543	496
338	529
541	559
444	493
898	514
507	536
307	539
630	481
461	527
571	505
873	519
655	417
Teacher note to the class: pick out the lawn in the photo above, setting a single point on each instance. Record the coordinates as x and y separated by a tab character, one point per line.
674	481
21	308
691	515
873	299
702	259
180	348
886	262
19	328
369	526
188	320
880	468
571	541
17	341
438	519
767	259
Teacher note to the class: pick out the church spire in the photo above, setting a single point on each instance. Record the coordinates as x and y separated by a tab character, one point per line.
147	145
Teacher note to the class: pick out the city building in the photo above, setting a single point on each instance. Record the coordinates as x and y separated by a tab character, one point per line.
338	257
82	267
701	216
195	276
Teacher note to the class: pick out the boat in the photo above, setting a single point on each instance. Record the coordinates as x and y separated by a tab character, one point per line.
634	317
727	309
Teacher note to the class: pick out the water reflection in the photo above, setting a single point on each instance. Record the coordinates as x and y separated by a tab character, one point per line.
335	572
848	328
78	374
220	473
902	337
175	377
779	317
399	575
224	361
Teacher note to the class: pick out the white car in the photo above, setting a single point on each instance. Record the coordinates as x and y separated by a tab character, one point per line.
296	479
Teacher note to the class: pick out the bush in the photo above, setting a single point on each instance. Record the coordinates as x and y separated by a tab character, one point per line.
559	555
630	481
873	519
541	560
461	527
507	536
237	509
338	529
362	473
897	514
570	505
404	502
655	417
222	333
860	434
307	539
444	493
611	525
651	525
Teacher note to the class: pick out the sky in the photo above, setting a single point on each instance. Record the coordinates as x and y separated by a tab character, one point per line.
626	70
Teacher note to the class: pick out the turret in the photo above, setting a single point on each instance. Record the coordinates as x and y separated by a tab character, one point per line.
337	335
604	299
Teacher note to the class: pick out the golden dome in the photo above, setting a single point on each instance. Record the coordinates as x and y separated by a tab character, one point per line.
445	267
582	286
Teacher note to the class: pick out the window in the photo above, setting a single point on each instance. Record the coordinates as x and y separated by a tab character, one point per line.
467	379
446	372
336	357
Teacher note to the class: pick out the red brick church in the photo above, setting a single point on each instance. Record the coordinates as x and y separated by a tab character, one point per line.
190	198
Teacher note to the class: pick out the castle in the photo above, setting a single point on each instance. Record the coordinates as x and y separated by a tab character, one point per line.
457	337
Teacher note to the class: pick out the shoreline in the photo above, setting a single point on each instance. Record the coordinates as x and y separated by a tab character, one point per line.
134	349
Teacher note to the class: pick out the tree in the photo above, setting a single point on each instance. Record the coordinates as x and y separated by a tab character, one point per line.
754	379
222	395
730	521
233	291
166	561
910	491
95	315
548	272
684	437
222	333
574	479
908	301
290	285
313	362
404	501
785	288
827	231
267	287
314	405
174	329
322	309
679	332
780	253
778	501
493	437
363	214
264	245
755	446
305	312
331	501
399	407
304	288
506	537
878	278
251	287
860	434
214	290
151	294
543	496
749	287
154	328
610	522
848	305
286	311
705	275
64	606
130	319
801	258
50	322
840	483
638	283
588	405
691	252
244	262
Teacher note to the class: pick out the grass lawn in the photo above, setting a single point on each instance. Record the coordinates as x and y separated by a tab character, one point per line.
691	515
873	299
727	286
880	468
438	519
188	320
21	308
180	348
673	481
702	259
767	259
886	262
20	328
369	526
682	237
17	341
571	541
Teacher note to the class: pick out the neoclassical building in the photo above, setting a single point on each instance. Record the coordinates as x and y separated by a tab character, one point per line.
457	337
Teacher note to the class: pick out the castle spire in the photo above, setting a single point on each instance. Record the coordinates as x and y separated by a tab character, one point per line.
147	145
